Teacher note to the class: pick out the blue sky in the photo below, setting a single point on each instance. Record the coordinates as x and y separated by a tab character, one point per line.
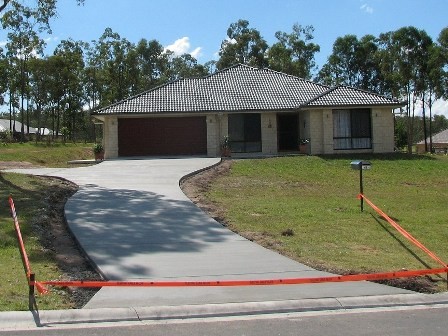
199	26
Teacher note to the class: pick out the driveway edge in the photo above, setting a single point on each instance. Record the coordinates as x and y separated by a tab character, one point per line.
21	320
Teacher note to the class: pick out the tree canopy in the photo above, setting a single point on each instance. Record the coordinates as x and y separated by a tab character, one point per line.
59	90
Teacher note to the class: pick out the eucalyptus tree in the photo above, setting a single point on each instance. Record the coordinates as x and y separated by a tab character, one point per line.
107	57
72	53
294	52
442	60
46	9
404	66
341	66
39	90
243	45
24	24
3	76
149	61
183	66
55	81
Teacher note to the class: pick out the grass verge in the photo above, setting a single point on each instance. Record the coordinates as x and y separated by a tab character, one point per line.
306	208
30	197
45	154
41	224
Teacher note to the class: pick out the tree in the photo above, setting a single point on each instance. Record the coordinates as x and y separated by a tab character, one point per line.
341	67
72	54
243	45
45	8
405	69
294	53
184	66
107	58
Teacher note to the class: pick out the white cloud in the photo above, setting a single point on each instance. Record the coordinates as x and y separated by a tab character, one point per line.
182	46
440	107
367	9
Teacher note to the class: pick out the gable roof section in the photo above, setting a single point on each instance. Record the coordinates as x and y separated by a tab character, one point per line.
345	96
441	137
239	88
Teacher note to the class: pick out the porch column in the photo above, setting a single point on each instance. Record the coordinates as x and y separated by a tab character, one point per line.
269	145
110	137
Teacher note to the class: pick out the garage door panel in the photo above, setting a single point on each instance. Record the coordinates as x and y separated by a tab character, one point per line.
162	136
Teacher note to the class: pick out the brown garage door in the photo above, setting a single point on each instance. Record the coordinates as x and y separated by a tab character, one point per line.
162	136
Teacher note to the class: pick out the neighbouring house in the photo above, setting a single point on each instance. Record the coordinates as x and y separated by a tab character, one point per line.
5	125
260	110
439	143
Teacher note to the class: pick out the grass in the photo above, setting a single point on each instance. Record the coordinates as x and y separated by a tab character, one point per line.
44	154
29	197
307	208
29	194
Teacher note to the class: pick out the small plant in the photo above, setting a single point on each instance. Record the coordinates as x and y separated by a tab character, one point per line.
225	146
225	142
98	148
304	141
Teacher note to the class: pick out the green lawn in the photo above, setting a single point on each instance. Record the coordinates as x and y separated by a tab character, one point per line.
44	154
314	198
30	196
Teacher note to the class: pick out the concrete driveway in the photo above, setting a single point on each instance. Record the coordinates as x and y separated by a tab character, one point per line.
135	223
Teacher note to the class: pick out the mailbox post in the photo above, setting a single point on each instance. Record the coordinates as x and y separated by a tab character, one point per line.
361	165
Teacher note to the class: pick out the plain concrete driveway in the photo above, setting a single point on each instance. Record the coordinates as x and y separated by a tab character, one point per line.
135	223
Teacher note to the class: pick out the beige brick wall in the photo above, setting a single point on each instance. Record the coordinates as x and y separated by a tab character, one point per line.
110	137
316	132
269	133
213	136
382	130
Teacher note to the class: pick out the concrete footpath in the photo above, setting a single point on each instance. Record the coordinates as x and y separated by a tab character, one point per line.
135	223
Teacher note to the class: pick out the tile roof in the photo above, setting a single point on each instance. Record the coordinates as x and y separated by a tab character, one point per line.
240	88
345	96
441	137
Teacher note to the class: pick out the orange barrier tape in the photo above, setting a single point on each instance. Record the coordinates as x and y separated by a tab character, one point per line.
233	283
404	232
20	239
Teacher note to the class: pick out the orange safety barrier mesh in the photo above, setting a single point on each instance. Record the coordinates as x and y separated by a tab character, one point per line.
26	262
404	232
230	283
40	285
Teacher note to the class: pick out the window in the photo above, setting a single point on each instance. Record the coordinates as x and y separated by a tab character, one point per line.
352	129
245	132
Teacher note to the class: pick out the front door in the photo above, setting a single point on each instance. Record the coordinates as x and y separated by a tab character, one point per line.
288	132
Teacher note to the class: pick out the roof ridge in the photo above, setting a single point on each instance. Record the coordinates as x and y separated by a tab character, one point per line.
331	89
369	92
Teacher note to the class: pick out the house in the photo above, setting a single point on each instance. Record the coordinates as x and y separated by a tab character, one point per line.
5	125
439	143
261	111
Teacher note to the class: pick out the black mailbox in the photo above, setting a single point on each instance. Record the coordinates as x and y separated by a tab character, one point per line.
361	165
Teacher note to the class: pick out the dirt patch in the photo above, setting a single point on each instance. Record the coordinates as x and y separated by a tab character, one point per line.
196	187
51	227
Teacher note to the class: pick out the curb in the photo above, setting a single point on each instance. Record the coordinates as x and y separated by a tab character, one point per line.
69	318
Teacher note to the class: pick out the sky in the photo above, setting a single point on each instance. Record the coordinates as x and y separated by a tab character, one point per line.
199	26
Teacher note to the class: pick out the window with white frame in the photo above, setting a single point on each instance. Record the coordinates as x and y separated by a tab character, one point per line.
352	129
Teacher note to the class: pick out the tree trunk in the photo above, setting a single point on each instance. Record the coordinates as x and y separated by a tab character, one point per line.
425	133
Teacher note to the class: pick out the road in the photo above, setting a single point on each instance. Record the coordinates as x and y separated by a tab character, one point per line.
418	320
